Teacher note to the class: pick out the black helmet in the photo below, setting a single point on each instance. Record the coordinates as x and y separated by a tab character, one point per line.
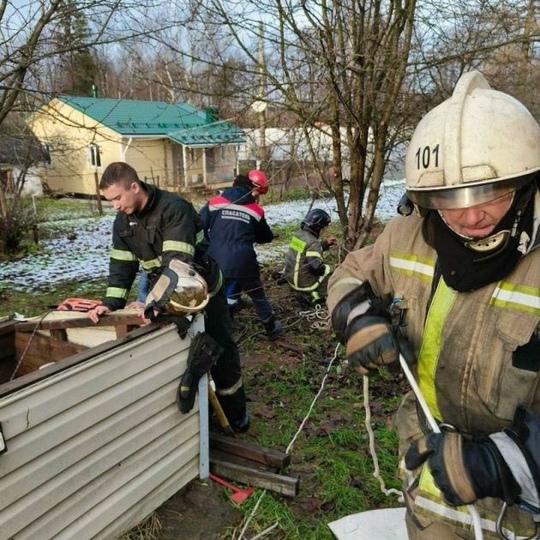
316	220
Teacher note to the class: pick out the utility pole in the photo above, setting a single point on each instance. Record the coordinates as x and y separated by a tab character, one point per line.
262	157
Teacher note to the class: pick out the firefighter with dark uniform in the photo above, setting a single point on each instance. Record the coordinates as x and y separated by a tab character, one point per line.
462	273
305	270
158	230
233	222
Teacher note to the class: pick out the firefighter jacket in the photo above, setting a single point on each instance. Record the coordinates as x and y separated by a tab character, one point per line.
233	223
304	264
166	228
477	353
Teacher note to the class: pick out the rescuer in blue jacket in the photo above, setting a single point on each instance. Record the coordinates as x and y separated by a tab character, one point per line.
233	221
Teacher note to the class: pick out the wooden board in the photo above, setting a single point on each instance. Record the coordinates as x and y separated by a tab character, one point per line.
266	456
278	483
40	350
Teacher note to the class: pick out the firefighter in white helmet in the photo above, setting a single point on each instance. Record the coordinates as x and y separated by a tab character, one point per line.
456	286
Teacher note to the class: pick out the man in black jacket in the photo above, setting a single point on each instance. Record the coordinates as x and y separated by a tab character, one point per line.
233	221
152	228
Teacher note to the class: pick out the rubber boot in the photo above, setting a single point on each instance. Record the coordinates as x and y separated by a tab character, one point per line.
273	328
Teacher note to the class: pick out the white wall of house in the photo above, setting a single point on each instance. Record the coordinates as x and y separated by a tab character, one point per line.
291	144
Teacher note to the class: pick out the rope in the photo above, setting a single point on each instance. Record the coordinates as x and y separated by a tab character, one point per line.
28	344
319	315
475	516
372	450
289	448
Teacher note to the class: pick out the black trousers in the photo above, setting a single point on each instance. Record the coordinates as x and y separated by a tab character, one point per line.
227	371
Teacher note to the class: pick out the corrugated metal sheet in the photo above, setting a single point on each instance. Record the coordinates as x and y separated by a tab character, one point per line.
95	448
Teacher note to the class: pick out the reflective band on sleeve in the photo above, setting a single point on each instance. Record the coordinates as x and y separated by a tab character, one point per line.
151	264
231	390
443	300
517	463
413	266
313	254
117	292
122	255
182	247
517	297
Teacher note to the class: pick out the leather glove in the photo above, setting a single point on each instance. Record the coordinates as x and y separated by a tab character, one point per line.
371	343
203	354
362	321
505	464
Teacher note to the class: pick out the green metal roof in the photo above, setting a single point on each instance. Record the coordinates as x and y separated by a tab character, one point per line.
220	132
178	121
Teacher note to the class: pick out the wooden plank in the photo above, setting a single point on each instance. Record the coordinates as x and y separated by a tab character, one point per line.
40	350
81	321
220	456
7	327
279	483
8	351
78	358
253	452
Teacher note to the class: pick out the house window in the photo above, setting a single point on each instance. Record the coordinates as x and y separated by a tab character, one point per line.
192	156
94	156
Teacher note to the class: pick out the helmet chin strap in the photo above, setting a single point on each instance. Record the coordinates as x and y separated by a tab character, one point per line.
494	241
490	243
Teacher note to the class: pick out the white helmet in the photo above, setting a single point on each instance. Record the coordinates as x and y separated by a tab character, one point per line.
179	290
474	147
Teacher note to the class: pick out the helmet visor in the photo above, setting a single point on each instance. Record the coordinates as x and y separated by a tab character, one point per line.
466	197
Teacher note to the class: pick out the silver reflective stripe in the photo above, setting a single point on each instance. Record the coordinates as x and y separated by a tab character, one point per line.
231	390
122	255
517	463
360	309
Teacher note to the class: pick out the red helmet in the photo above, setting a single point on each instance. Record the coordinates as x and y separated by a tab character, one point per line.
259	180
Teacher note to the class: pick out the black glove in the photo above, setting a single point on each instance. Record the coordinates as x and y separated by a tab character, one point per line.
362	321
371	343
203	354
505	464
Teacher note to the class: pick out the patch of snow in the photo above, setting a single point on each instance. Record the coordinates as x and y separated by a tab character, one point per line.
85	254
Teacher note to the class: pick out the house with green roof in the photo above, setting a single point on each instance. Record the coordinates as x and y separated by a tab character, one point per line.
172	145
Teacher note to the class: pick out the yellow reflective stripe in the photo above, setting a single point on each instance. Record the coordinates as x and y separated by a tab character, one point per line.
327	270
313	254
117	292
122	255
297	244
412	265
218	286
182	247
151	264
428	358
518	297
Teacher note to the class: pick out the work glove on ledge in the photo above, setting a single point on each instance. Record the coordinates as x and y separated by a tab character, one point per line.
505	464
362	322
203	354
